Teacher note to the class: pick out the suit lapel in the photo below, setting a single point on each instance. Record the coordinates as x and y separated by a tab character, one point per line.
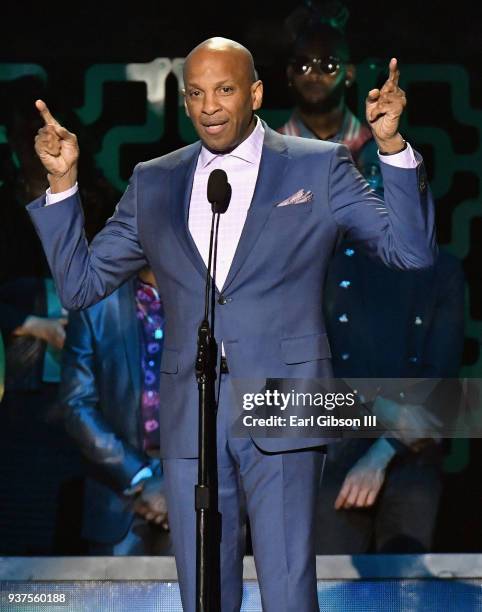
272	167
130	335
271	170
181	182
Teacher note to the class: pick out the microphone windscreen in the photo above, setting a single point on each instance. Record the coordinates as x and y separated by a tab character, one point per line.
219	191
217	181
222	206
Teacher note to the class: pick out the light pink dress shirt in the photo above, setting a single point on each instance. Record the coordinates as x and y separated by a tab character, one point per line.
241	167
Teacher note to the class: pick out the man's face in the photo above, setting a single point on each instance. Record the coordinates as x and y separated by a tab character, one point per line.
318	91
220	97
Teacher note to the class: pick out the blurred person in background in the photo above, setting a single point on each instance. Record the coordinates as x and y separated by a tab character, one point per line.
34	482
111	402
377	495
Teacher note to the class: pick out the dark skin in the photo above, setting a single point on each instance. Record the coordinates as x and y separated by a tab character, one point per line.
321	97
151	502
221	94
383	107
221	97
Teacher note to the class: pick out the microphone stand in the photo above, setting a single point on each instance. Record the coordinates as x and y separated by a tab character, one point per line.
208	532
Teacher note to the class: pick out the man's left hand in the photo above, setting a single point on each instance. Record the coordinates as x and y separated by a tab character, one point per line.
384	108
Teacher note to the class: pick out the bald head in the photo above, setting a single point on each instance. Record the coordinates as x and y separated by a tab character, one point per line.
218	45
221	92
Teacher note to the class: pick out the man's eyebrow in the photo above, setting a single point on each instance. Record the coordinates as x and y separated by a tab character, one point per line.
217	84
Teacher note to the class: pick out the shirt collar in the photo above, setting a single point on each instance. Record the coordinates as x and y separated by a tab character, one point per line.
249	150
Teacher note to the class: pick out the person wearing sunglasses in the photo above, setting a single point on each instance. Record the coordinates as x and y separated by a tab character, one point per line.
319	72
377	495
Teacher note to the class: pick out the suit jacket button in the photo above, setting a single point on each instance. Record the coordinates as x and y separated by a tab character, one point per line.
222	300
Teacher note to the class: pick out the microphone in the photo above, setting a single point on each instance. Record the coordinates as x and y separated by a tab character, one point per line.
219	191
208	521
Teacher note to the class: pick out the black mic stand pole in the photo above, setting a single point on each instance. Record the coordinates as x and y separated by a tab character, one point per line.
206	491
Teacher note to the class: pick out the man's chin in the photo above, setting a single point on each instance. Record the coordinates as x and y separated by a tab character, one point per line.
318	105
217	147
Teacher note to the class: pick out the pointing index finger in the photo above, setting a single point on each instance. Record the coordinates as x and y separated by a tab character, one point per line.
45	113
393	71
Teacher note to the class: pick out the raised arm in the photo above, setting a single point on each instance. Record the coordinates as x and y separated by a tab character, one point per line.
400	229
384	108
83	275
58	150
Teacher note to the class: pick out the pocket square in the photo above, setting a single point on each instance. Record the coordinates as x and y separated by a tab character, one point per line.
300	197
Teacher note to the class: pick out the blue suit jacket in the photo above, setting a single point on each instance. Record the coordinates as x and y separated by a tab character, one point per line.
100	393
272	322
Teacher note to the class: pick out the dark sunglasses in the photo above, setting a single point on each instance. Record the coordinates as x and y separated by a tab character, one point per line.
304	65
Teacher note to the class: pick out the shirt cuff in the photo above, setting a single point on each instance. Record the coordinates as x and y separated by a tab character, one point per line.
404	159
142	474
53	198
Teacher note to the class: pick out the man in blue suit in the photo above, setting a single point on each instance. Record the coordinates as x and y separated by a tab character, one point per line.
292	199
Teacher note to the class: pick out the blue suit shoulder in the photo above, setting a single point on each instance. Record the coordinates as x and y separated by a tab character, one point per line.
169	160
298	146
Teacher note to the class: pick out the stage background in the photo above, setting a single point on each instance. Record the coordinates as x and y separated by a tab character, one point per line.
118	68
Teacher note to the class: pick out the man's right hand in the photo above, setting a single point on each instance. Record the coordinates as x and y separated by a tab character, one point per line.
151	502
58	151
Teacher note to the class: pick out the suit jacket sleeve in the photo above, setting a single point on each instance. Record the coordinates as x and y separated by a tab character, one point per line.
115	461
85	274
399	229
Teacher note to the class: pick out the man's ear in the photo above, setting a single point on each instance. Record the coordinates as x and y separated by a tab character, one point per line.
257	94
350	74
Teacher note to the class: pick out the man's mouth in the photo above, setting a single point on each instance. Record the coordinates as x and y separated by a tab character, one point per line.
214	128
314	88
